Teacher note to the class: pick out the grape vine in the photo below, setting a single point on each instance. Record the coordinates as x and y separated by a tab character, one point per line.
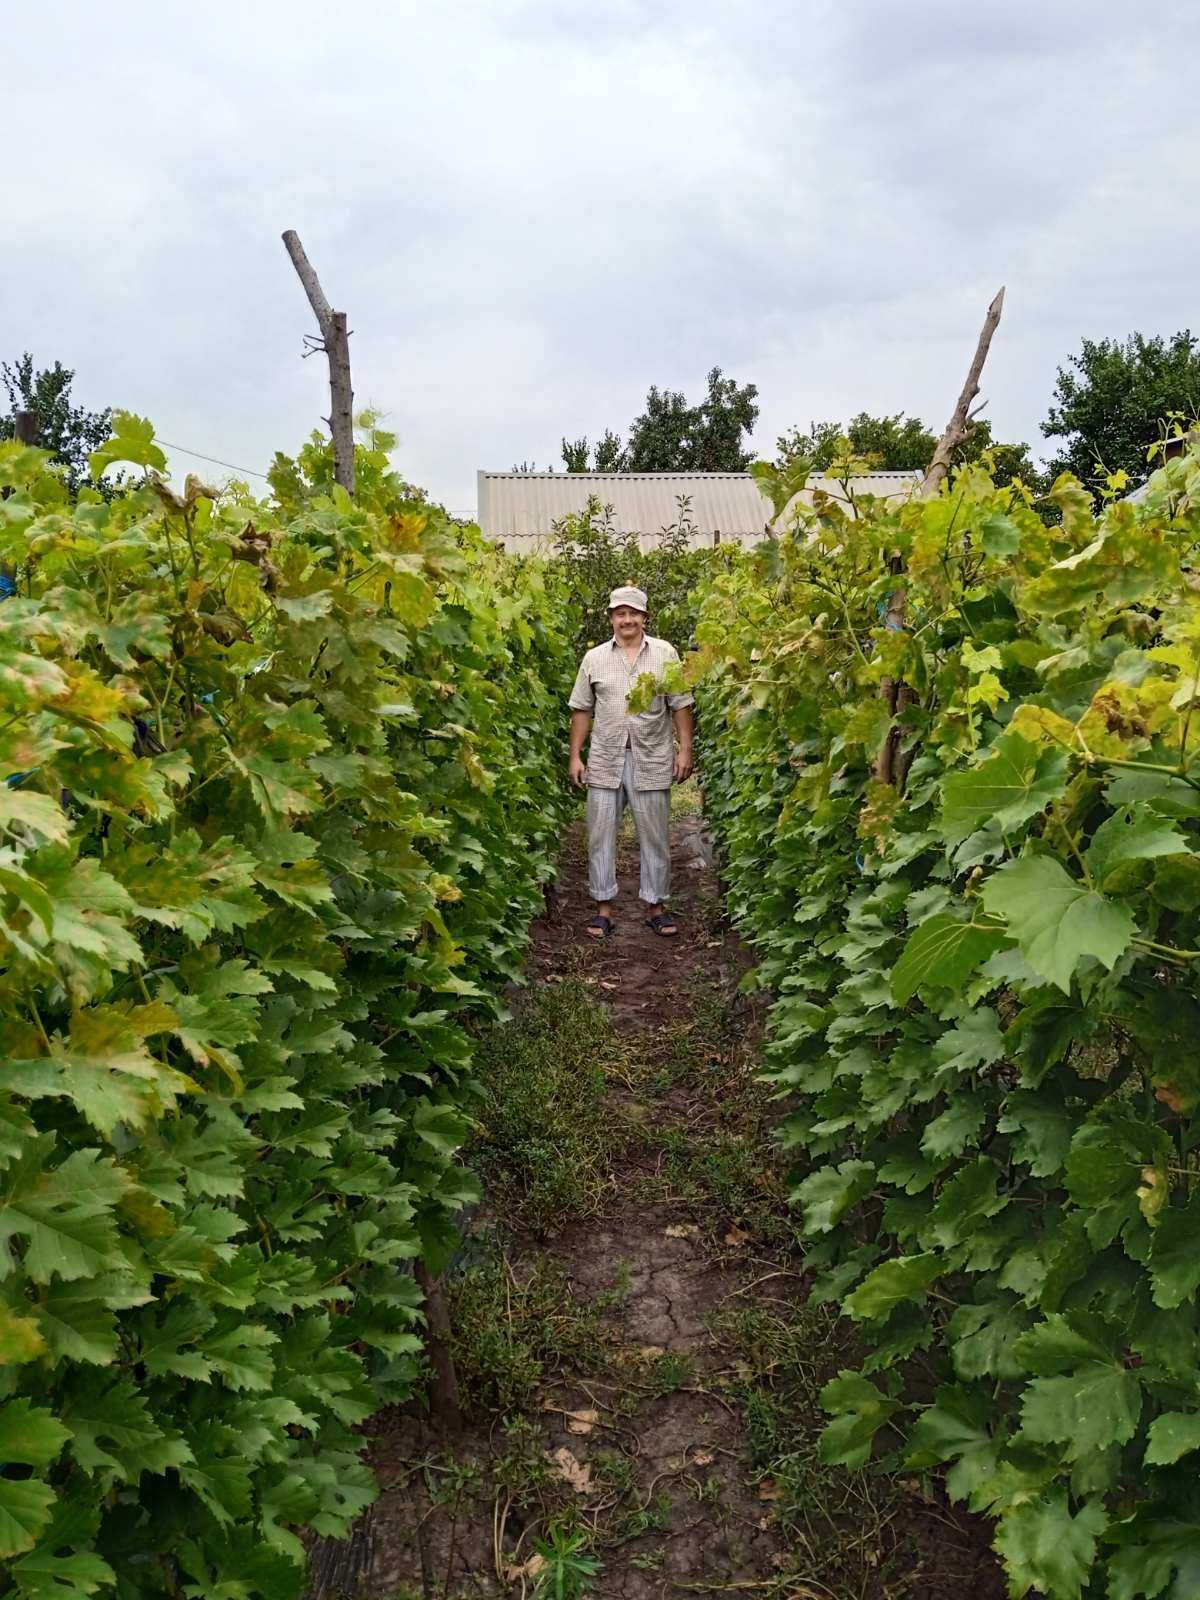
985	991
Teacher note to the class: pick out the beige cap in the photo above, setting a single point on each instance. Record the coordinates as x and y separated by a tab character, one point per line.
628	596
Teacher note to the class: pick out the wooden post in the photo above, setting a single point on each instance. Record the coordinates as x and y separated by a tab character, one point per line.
956	428
445	1407
887	767
25	427
336	344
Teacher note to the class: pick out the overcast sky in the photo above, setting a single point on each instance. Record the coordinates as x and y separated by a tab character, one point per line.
534	209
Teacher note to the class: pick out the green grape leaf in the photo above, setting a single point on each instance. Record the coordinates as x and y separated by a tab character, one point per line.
859	1410
29	1434
1085	1411
25	1505
133	441
951	1132
1175	1254
1043	1546
1056	920
1131	834
890	1283
1172	1435
943	952
829	1192
955	1428
1016	782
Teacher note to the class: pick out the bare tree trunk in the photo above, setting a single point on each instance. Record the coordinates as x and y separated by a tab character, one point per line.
956	428
889	766
25	427
445	1408
336	343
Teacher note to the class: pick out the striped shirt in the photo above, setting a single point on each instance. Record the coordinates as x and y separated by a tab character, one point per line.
602	687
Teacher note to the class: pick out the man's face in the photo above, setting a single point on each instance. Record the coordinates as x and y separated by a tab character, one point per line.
627	623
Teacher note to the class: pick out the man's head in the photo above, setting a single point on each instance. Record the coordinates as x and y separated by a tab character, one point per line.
627	611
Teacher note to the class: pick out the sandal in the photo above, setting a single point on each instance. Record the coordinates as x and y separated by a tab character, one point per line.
663	924
599	928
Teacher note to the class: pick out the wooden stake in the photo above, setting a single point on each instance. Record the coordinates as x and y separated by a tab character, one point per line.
445	1407
336	343
25	427
956	428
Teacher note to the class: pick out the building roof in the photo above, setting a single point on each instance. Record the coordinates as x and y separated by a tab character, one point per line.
895	485
526	505
520	508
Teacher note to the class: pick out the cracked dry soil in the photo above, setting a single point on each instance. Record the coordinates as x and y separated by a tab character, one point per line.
660	1469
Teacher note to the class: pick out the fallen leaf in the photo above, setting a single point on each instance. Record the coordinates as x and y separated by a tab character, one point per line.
651	1352
768	1489
571	1470
527	1569
681	1230
605	984
702	1458
582	1421
735	1237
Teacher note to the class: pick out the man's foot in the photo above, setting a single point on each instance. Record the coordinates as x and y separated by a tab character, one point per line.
601	925
662	923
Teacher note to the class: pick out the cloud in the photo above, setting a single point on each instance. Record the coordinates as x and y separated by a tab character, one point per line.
532	211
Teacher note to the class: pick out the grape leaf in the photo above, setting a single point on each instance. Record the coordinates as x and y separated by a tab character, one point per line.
943	952
859	1410
1175	1254
1174	1434
829	1192
1043	1546
1131	834
24	1511
29	1434
955	1428
1016	782
890	1283
1056	920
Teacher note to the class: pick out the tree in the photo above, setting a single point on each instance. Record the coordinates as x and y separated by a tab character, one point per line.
673	436
899	443
1114	399
69	431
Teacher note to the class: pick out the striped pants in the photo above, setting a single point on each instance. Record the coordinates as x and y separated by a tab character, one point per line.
652	817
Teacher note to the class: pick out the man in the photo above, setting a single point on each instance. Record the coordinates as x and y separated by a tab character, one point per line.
632	760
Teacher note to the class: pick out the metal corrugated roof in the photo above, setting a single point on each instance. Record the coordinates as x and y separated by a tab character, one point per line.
526	505
519	509
885	485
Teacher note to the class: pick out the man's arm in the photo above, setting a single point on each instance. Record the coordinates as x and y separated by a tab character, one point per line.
684	758
581	722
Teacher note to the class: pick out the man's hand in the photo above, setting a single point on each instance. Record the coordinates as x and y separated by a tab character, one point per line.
684	765
577	769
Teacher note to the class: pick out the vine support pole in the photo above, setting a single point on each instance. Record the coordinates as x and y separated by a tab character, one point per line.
25	427
445	1405
335	341
888	765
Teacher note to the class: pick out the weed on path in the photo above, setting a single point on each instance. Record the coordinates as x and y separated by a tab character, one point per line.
639	1362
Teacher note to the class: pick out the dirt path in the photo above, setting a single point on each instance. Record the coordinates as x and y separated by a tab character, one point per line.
640	1361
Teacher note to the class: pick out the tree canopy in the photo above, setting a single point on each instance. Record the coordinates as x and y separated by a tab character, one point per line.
70	431
1115	398
898	443
671	435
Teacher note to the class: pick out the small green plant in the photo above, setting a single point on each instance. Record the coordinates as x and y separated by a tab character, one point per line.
653	1517
671	1371
568	1569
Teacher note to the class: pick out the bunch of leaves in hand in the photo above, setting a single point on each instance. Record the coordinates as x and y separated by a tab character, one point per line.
986	999
279	791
